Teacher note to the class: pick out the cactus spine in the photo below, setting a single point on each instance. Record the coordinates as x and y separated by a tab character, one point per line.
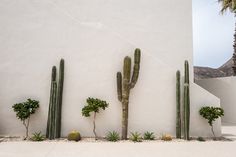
55	103
125	84
186	101
178	104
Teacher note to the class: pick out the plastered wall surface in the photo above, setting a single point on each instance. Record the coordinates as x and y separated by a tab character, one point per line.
93	36
225	89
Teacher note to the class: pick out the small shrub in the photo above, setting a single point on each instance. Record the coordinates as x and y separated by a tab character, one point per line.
94	105
136	137
211	114
74	136
166	137
149	136
201	139
23	112
113	136
37	136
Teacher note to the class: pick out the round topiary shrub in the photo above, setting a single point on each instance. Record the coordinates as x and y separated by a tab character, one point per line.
74	136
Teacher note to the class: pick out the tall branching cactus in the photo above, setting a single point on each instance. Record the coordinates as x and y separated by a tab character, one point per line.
186	101
125	84
178	106
55	103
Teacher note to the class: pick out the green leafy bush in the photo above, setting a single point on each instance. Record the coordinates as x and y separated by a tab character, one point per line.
37	136
166	137
113	136
135	137
149	136
94	105
23	112
74	136
211	114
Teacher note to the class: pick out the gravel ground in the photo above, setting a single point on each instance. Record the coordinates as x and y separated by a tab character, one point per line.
88	147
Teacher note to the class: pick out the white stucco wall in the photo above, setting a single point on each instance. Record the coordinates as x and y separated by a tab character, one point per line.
93	37
225	89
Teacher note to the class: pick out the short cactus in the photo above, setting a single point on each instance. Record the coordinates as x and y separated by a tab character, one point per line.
166	137
74	136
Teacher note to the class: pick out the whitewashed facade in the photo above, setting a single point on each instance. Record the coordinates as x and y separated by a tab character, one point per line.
93	36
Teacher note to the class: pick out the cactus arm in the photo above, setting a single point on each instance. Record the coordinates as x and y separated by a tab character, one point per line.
137	55
127	69
119	85
178	106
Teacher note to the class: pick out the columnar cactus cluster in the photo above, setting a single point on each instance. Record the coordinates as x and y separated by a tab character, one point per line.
55	103
186	103
125	84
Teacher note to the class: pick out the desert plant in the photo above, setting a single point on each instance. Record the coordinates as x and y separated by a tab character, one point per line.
93	105
166	137
135	137
37	136
201	139
113	136
211	114
186	108
125	84
24	111
74	136
55	103
178	104
149	136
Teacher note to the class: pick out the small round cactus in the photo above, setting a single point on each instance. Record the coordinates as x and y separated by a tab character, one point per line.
74	136
166	137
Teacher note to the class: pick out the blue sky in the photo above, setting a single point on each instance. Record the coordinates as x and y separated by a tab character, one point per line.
212	34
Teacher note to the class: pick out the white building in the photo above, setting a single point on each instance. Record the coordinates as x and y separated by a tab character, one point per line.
93	36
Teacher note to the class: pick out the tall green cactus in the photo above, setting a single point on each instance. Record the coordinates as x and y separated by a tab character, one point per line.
178	106
125	84
55	103
50	122
186	101
59	99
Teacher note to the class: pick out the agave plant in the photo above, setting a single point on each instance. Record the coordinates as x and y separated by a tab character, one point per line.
135	137
149	136
113	136
37	136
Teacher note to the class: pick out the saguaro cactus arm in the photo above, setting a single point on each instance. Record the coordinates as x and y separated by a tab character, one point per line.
127	68
137	55
119	85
